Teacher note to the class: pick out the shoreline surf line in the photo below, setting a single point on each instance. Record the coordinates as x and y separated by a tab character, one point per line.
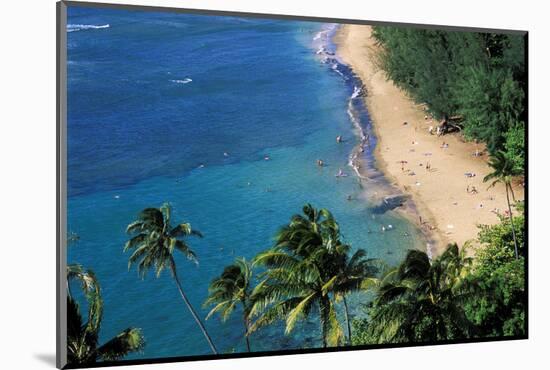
362	158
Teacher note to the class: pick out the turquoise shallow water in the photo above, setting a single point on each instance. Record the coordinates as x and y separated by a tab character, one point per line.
137	138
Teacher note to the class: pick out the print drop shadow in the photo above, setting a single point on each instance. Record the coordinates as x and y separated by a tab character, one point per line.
46	358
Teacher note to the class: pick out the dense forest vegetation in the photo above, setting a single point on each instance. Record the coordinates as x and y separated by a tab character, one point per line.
478	77
454	296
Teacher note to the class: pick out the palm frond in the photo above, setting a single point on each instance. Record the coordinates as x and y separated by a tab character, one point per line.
277	311
130	340
298	312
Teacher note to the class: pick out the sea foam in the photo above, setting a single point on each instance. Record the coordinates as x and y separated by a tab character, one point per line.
357	91
184	81
80	27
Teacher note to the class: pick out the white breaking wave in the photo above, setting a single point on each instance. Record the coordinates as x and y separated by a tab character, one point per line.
335	69
184	81
356	92
354	156
320	35
80	27
324	33
364	137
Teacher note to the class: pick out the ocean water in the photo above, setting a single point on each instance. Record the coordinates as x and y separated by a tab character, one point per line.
154	102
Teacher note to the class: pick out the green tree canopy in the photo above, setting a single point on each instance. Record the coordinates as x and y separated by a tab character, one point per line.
478	76
83	346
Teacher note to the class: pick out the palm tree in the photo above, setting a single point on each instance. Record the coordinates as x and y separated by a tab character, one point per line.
83	337
504	170
154	242
422	300
232	288
301	273
356	273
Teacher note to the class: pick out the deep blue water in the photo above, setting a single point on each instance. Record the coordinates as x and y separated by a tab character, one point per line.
151	98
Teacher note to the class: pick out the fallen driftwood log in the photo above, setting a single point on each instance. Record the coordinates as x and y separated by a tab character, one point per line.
449	125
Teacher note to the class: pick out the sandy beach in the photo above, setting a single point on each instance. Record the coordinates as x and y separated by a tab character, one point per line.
445	209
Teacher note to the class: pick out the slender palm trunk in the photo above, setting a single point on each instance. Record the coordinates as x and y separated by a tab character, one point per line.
323	310
246	327
69	293
346	314
512	222
512	192
323	334
190	307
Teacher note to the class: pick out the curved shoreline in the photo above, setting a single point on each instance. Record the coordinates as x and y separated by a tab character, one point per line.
441	206
363	159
